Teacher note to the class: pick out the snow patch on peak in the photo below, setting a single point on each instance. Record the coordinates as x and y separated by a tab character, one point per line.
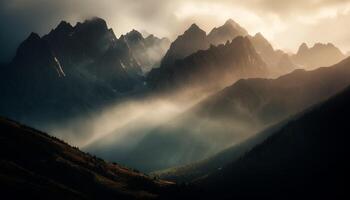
59	68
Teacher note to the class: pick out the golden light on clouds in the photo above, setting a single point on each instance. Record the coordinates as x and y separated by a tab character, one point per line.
212	14
287	23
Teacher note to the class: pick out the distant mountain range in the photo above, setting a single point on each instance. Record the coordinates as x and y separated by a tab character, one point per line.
317	56
230	61
230	116
195	39
262	127
35	165
75	70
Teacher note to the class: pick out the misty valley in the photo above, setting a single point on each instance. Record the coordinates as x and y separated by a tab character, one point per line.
219	114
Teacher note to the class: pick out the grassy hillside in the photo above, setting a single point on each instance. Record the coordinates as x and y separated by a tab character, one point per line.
36	165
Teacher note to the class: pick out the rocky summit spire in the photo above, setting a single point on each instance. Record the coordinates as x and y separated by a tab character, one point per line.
230	22
228	31
303	48
194	27
193	39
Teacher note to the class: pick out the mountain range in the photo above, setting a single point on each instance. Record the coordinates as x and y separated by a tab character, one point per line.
228	118
219	115
317	56
48	72
73	71
195	39
230	61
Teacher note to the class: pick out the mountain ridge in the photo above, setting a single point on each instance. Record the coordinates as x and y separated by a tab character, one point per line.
305	158
234	114
320	54
209	64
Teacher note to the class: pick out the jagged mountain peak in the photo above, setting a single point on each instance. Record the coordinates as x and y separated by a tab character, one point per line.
228	31
231	22
324	46
231	25
32	44
93	24
62	30
96	20
320	54
63	25
33	37
261	44
194	29
260	36
151	36
192	40
235	59
134	36
303	47
194	26
134	32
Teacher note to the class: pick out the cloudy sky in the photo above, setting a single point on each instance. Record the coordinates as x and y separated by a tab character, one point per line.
287	23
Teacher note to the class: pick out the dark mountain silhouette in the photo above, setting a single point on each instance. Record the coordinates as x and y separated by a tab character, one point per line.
87	42
38	53
226	32
305	158
193	40
213	68
317	56
70	72
35	165
81	43
231	116
148	51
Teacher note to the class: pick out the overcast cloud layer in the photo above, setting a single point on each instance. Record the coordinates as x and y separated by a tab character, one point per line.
287	23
